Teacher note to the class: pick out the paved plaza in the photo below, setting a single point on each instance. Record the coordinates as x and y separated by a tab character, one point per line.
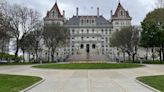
113	80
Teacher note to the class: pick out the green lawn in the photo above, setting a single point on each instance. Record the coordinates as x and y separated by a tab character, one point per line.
88	66
15	83
153	81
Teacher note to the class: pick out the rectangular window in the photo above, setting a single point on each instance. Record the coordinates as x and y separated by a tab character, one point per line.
110	31
73	31
82	22
93	30
106	40
82	38
116	23
106	31
102	31
92	21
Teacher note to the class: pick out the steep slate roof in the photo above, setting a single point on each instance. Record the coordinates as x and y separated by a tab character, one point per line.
76	20
120	7
56	8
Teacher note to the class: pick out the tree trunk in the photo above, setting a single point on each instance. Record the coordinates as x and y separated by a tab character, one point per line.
124	55
52	55
48	55
36	54
17	50
153	53
23	55
146	54
29	57
2	49
3	45
162	52
133	57
33	56
129	57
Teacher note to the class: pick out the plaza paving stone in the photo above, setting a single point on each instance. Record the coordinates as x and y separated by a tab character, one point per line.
112	80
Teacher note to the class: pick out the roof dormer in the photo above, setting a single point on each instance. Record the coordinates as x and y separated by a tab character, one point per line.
121	12
54	12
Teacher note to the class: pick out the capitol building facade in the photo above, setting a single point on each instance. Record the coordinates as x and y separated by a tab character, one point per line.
89	34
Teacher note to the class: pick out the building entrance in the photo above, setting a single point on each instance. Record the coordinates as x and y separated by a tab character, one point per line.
87	48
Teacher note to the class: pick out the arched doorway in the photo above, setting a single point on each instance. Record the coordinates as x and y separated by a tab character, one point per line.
87	48
81	46
93	46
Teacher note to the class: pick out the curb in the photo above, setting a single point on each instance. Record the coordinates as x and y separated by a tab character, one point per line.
147	86
34	85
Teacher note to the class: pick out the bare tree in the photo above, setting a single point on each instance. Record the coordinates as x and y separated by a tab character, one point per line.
22	20
127	40
36	46
54	36
30	42
4	38
4	35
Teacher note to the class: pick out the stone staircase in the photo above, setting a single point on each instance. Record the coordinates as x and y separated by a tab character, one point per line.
88	57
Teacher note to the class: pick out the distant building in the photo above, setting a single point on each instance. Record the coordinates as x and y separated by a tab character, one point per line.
90	34
4	45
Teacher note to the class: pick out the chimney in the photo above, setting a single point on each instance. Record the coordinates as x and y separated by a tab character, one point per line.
98	12
77	12
63	13
111	13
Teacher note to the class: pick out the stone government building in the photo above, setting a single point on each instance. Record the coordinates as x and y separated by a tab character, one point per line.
90	35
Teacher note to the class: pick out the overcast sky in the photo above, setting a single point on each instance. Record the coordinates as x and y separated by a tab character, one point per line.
137	8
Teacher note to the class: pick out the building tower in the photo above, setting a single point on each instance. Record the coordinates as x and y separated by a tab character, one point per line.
55	16
120	18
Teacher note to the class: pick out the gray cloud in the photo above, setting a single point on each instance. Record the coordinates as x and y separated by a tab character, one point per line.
137	8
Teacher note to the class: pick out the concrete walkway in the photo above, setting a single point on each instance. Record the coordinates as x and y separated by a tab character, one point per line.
121	80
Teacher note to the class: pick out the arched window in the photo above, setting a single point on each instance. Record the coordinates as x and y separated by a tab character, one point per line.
73	31
93	46
81	46
53	13
122	13
82	31
106	31
92	21
82	22
102	31
93	30
87	31
82	38
87	21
